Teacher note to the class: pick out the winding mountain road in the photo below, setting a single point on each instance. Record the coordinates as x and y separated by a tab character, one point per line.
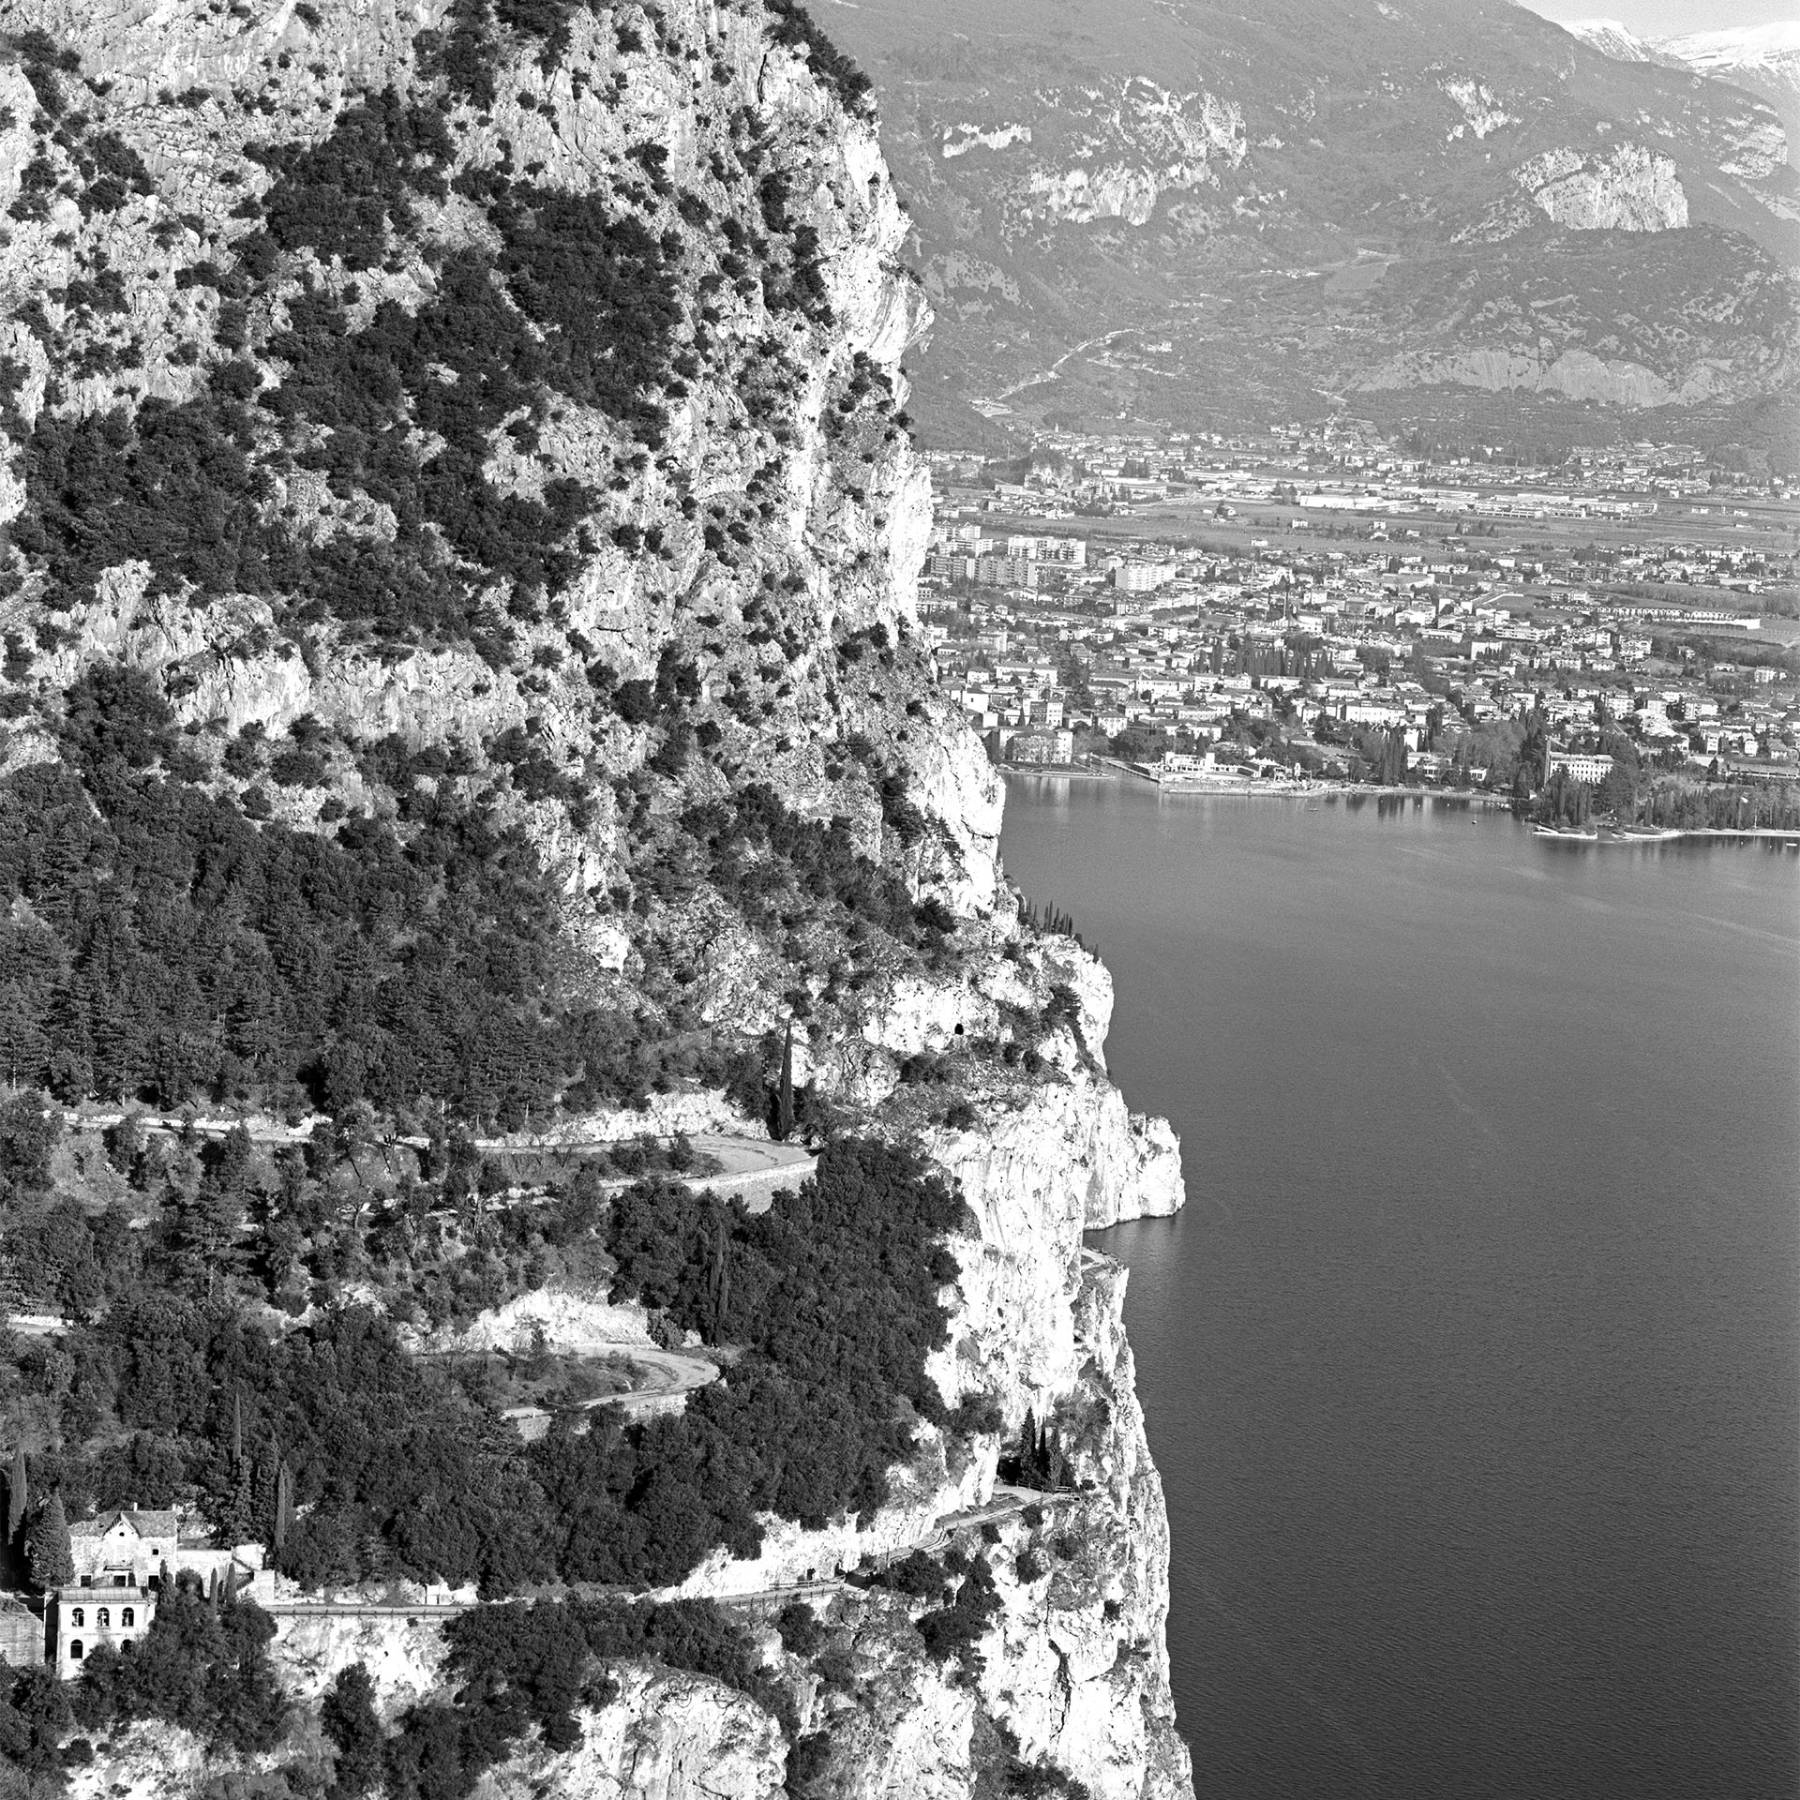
750	1168
668	1375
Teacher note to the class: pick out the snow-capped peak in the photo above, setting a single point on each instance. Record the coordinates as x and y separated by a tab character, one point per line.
1764	58
1612	38
1771	47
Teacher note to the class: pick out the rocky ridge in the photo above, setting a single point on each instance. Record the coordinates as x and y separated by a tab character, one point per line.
1627	189
596	607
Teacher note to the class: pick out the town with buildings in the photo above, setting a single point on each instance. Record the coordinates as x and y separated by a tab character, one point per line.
1311	606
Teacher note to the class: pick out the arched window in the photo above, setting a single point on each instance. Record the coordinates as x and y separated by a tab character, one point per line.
78	1616
75	1651
127	1615
103	1617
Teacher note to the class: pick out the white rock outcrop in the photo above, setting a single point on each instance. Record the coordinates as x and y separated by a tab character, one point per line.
1576	374
1626	188
667	1737
403	1653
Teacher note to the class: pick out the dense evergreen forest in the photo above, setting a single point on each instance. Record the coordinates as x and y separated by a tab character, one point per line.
1667	805
354	1461
174	1384
160	941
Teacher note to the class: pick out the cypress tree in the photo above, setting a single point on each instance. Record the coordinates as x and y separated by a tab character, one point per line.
715	1276
284	1506
238	1522
1028	1448
264	1468
15	1495
784	1095
47	1546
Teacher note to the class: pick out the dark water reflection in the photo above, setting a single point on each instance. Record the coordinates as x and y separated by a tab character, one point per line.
1473	1369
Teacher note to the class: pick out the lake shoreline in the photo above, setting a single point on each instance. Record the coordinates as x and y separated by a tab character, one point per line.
1331	793
1471	1369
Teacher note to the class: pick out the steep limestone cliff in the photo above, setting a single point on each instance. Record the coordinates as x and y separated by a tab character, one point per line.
1629	188
610	532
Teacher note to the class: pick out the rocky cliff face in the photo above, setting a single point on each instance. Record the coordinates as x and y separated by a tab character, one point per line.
442	401
1629	188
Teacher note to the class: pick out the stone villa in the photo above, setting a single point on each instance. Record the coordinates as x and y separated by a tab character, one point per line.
123	1559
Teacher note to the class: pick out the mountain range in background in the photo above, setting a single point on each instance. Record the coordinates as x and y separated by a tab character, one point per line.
1765	59
1440	215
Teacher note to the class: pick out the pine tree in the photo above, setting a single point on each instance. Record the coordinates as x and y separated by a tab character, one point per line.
349	1718
23	1045
47	1546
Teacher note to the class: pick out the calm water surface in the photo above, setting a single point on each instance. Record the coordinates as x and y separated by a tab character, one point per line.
1473	1367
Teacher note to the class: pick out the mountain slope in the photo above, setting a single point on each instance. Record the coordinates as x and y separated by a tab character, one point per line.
1271	194
1763	59
1612	38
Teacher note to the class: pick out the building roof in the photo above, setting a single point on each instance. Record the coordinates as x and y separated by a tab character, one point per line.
146	1522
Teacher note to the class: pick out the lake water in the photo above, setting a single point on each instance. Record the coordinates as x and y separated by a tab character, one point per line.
1473	1366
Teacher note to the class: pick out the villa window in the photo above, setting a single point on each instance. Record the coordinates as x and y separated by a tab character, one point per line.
121	1581
103	1617
87	1581
75	1651
78	1616
128	1616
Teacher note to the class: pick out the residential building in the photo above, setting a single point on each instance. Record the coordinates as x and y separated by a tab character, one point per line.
123	1559
1580	765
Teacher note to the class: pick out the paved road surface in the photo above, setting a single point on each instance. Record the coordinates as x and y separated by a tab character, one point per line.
1007	1502
751	1169
668	1373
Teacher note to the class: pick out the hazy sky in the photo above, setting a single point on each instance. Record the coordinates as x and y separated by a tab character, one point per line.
1668	18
